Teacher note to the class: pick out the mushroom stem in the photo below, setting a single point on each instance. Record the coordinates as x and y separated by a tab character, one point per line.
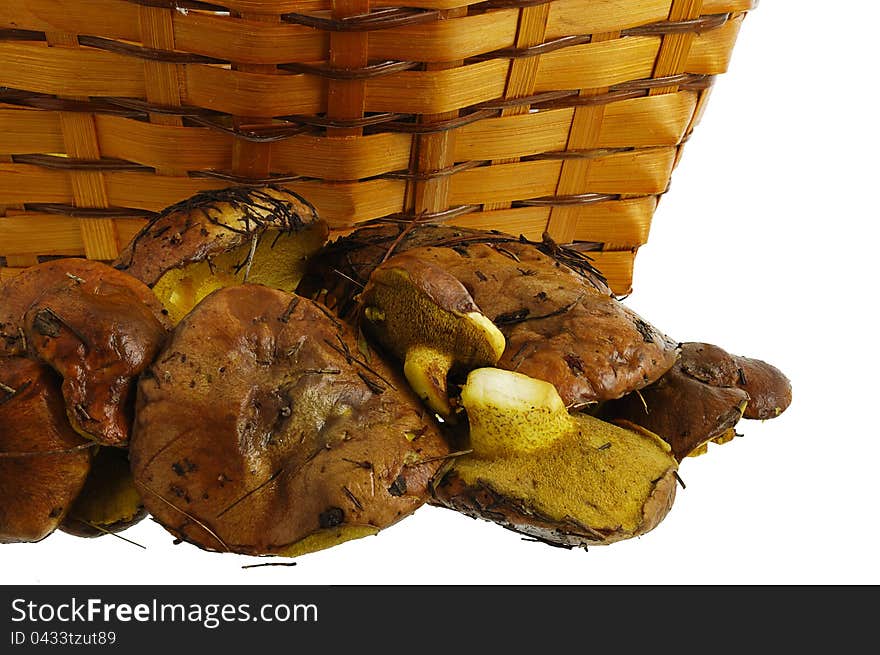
426	369
509	412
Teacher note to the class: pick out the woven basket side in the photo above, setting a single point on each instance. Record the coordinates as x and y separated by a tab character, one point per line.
566	116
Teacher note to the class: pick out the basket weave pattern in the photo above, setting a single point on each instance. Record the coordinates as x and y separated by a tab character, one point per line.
565	116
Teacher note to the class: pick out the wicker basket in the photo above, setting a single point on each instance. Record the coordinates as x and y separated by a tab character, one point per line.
521	115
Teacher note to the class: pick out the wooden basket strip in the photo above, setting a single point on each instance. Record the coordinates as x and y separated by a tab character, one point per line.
36	234
88	186
435	151
449	39
638	172
243	40
673	54
586	126
598	64
86	71
569	17
711	55
26	131
252	159
165	147
348	50
618	224
248	41
65	72
726	6
161	79
250	94
617	267
113	19
438	91
649	121
529	222
521	84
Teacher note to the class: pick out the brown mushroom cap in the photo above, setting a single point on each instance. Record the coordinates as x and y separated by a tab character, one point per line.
557	328
686	412
99	329
703	397
18	293
769	390
263	429
225	237
43	461
344	266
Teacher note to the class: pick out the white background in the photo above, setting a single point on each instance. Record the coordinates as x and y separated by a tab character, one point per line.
766	244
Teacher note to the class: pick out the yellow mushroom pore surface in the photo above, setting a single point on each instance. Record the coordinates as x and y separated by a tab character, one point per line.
278	261
527	447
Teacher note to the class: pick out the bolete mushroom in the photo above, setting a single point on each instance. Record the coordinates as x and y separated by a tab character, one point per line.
556	326
98	328
427	319
43	461
570	480
262	428
215	239
703	397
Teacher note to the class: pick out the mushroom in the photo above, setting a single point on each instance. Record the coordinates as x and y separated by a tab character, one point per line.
565	479
556	327
262	428
427	319
703	397
225	237
43	461
98	328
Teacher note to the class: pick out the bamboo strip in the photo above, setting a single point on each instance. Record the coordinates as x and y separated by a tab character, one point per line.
81	142
674	49
22	261
253	159
619	224
161	146
523	74
617	267
599	64
586	126
67	72
251	94
513	136
568	17
113	19
450	39
161	80
726	6
710	52
649	121
58	235
526	221
23	132
248	41
433	152
505	183
348	50
343	159
438	91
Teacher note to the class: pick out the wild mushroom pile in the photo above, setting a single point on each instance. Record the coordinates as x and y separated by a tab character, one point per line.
258	389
